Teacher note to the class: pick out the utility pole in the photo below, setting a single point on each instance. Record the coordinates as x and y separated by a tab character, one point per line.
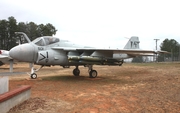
156	42
156	49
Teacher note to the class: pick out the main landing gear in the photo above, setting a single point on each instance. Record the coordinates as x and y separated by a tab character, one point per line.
92	73
76	71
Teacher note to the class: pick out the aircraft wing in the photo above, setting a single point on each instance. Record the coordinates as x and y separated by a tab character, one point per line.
4	56
113	51
94	54
127	51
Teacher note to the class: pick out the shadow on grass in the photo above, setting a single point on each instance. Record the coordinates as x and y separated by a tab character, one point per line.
5	68
81	79
63	78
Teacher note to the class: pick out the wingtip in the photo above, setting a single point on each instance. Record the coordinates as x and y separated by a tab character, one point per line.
163	52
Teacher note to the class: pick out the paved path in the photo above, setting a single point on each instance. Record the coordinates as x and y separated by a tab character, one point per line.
11	73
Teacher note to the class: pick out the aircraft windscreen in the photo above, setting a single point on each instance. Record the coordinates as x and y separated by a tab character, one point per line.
46	40
39	41
50	40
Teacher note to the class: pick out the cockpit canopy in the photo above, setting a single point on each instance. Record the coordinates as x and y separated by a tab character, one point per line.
45	40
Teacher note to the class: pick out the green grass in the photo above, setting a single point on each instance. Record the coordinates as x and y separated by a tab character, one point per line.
156	64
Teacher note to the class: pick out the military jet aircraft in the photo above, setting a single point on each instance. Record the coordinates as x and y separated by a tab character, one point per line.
48	50
6	59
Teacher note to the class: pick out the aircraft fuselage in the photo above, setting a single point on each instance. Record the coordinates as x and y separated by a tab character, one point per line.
62	53
48	50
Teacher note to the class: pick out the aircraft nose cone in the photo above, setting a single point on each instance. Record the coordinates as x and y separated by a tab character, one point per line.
23	53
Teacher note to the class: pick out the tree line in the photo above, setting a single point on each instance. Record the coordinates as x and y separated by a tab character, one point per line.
8	39
170	45
8	27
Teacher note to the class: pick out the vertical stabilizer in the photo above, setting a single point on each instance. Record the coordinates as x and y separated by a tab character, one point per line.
133	43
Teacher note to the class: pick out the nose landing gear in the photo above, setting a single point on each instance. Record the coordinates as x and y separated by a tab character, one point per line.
33	74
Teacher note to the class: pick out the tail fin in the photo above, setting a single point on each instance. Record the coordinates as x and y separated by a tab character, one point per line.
133	43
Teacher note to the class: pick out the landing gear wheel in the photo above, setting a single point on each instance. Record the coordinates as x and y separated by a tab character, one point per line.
76	72
33	76
93	74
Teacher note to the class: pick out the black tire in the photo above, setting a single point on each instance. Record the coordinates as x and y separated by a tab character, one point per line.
66	66
33	76
76	72
93	74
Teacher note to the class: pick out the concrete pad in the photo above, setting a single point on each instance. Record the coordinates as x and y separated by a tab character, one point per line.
11	73
4	84
12	98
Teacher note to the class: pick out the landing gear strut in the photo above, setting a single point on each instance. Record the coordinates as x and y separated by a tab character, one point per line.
33	74
92	73
76	71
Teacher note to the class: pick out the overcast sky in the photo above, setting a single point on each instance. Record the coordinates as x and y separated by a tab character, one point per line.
101	23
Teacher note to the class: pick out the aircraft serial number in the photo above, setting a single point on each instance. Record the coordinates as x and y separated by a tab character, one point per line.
40	48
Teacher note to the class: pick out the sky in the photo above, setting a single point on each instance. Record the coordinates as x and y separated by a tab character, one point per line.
101	23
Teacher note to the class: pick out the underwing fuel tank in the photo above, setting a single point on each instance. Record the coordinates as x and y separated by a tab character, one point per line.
94	60
85	58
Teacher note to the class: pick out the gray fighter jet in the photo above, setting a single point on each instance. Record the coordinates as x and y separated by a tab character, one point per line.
6	59
48	50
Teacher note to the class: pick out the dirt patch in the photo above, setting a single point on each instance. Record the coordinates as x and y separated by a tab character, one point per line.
153	87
